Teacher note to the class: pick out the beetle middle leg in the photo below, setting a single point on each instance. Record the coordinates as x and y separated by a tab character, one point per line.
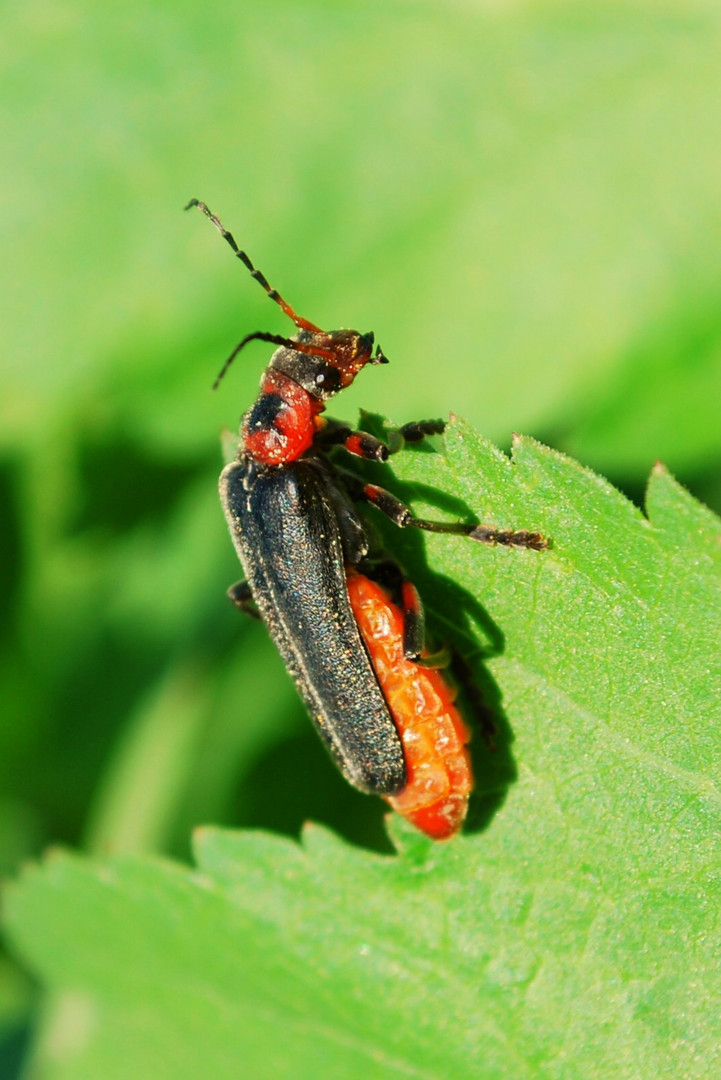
402	516
363	445
241	595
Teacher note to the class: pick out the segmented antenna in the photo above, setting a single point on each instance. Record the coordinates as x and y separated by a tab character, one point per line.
301	323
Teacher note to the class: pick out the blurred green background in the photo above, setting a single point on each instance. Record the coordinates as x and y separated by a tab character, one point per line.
521	199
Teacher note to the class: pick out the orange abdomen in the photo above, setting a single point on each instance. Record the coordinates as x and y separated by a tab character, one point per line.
434	737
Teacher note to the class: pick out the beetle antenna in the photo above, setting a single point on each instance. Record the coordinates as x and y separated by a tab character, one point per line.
259	335
301	323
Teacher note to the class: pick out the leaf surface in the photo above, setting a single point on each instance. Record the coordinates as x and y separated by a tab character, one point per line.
569	937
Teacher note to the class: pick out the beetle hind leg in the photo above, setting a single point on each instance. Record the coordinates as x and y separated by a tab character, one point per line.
388	573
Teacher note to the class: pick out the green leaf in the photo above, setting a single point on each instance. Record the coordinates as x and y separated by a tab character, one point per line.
575	935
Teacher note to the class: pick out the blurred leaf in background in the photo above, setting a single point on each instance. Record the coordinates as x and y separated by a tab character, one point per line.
520	199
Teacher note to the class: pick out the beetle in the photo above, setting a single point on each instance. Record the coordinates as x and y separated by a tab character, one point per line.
348	626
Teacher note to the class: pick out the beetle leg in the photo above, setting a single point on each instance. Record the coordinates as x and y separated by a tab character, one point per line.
414	622
414	631
402	516
389	574
363	445
358	443
242	597
413	432
441	658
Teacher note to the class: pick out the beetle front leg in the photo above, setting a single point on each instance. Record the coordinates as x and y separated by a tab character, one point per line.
240	594
363	445
414	432
359	443
402	516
